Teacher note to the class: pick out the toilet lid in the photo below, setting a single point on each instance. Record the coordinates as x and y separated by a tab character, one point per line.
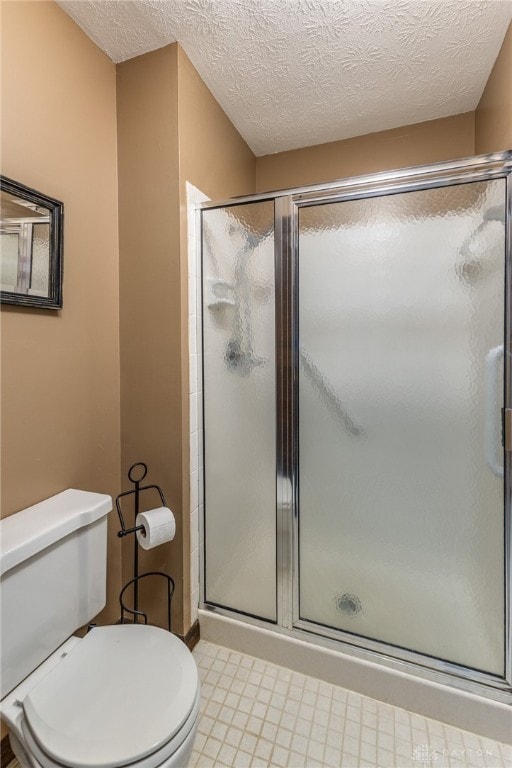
119	695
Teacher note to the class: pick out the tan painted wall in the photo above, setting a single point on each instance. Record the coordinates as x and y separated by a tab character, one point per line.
493	117
60	370
150	306
213	155
422	143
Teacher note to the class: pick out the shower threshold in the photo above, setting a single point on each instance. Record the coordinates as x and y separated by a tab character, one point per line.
346	667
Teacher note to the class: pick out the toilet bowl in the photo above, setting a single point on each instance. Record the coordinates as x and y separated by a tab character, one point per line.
123	695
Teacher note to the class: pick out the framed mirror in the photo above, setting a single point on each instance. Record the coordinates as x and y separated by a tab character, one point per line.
31	229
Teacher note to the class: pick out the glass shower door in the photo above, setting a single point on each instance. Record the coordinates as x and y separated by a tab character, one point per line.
239	408
400	390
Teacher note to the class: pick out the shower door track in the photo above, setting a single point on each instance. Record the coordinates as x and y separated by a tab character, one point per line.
287	203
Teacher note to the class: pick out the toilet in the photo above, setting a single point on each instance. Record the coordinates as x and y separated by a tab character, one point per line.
122	695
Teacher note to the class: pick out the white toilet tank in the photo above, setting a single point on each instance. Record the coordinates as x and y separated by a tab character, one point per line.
53	567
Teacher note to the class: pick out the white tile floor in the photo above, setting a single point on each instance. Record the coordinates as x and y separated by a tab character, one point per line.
255	714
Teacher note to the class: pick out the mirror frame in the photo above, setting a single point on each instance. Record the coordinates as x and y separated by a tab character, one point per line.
56	209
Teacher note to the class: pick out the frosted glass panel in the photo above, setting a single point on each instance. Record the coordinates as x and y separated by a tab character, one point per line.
9	243
401	516
239	408
40	267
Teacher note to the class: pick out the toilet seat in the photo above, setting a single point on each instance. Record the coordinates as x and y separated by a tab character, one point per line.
152	761
124	694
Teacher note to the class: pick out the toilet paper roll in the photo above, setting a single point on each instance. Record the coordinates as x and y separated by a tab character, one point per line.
159	527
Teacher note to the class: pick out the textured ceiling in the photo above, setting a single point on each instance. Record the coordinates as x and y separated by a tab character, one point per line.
291	73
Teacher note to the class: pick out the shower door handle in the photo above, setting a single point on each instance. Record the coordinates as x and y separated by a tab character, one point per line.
493	418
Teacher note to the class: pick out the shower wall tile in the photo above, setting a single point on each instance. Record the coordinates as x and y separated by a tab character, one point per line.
192	336
194	530
192	296
194	453
193	373
199	369
193	414
200	459
194	491
201	485
199	295
195	197
192	240
194	563
195	604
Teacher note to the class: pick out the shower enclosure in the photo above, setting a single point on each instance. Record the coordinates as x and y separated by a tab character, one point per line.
356	379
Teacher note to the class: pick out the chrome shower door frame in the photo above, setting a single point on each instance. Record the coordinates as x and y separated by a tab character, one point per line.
287	206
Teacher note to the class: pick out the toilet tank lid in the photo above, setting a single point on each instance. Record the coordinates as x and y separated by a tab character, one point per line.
31	530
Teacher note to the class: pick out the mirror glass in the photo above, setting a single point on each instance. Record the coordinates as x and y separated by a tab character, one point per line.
30	247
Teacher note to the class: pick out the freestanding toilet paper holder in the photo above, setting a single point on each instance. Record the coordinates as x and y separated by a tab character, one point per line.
135	492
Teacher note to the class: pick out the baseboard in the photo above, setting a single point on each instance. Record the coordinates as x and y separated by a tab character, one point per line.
192	637
6	753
